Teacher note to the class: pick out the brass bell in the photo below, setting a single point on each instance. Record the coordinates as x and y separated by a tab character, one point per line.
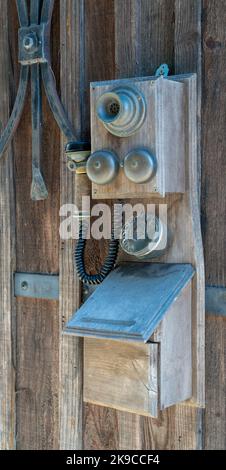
102	166
140	166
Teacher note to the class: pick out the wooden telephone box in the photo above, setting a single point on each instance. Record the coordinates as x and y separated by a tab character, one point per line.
142	325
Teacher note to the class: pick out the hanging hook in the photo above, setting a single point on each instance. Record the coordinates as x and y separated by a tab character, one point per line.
162	71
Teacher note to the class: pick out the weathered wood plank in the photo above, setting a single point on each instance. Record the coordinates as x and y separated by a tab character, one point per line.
122	375
37	251
164	428
178	428
215	429
107	429
188	25
7	256
101	428
214	141
176	356
99	65
72	92
37	374
146	31
214	210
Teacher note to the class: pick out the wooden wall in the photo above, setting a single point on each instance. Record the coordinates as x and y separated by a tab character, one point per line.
97	40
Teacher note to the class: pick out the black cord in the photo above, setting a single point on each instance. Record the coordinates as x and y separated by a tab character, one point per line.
107	266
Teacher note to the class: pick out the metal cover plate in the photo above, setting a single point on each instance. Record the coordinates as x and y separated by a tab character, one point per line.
131	302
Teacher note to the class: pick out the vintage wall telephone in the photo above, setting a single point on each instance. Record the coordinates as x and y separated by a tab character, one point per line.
139	353
123	111
143	326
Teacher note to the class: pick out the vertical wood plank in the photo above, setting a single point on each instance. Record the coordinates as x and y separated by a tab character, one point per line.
7	256
140	29
188	58
99	65
214	210
215	429
72	39
214	141
37	375
178	428
144	31
188	53
37	251
100	428
181	427
156	25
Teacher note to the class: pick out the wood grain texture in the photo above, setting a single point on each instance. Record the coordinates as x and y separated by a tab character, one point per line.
215	429
37	251
144	36
140	34
184	423
214	211
178	428
72	75
122	375
149	27
213	142
7	257
101	428
164	428
174	336
155	28
37	375
99	65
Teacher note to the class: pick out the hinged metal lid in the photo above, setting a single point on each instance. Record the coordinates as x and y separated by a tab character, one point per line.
131	302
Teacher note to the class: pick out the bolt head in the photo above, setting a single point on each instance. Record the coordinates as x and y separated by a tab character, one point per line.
30	42
24	285
71	166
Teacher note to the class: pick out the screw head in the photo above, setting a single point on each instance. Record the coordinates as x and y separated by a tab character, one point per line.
30	42
24	285
71	166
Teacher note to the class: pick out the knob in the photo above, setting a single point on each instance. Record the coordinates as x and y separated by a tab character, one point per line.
140	166
122	110
102	166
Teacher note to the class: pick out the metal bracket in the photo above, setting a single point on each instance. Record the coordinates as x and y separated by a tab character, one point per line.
36	286
216	300
34	53
33	44
77	154
46	286
162	71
